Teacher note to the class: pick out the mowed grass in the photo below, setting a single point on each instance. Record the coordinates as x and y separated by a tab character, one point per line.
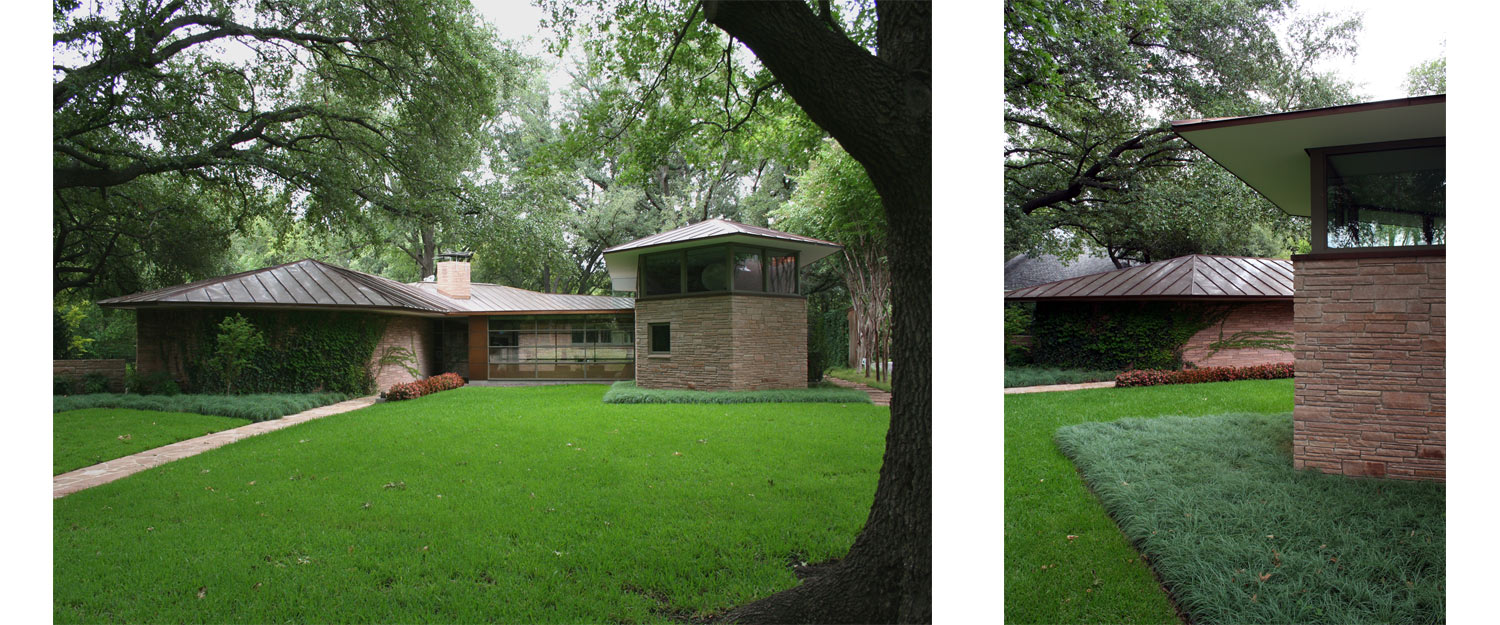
1044	376
858	376
1239	536
479	504
1098	576
82	438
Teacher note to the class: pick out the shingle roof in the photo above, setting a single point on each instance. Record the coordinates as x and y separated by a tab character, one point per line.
715	228
507	299
1023	270
306	282
1195	276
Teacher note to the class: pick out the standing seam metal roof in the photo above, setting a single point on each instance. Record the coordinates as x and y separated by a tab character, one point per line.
713	228
1185	277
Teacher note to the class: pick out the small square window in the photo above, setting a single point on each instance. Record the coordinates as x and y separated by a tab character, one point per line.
661	338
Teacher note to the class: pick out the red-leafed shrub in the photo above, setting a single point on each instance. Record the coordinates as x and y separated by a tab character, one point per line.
1206	374
413	390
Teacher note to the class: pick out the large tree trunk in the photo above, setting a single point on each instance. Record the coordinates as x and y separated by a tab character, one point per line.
879	109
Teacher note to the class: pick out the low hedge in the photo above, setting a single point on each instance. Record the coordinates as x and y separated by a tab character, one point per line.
413	390
1154	377
626	392
253	407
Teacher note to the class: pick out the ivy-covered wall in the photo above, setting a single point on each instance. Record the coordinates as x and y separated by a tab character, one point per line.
1117	335
305	350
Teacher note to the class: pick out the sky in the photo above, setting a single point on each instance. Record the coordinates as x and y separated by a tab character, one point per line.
1397	35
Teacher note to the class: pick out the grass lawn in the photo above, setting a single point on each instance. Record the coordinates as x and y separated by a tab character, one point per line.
480	504
857	375
1240	536
1042	376
626	392
257	407
86	437
1097	577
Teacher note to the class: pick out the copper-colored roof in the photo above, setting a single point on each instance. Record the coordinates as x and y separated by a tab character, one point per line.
497	298
1188	277
306	282
710	228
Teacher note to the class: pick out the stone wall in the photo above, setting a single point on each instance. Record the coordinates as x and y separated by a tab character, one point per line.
1370	345
724	342
416	334
113	369
1250	317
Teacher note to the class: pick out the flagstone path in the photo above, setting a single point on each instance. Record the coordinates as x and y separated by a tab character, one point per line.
105	472
877	396
1058	387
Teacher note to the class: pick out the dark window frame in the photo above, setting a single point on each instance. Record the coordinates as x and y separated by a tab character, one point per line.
651	338
1319	213
642	284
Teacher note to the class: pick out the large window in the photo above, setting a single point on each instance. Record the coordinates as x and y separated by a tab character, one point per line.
578	347
1382	198
719	268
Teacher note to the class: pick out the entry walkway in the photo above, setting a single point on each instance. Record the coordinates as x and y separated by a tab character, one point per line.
103	473
877	396
1058	387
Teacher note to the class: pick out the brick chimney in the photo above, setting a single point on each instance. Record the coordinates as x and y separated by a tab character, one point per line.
453	276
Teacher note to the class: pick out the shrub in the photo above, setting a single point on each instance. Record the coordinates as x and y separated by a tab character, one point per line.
61	385
252	407
234	349
95	383
419	388
1206	374
154	383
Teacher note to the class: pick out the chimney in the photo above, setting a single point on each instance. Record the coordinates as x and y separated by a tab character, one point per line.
453	274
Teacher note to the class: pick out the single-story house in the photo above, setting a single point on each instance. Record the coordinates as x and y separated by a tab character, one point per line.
1243	304
1370	298
718	308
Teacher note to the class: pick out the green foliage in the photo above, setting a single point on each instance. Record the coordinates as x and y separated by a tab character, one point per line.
259	407
858	375
755	485
61	385
1147	335
305	351
1018	319
81	329
399	356
626	392
1428	78
154	383
1043	376
1253	339
82	438
1242	536
95	383
835	201
235	348
1050	579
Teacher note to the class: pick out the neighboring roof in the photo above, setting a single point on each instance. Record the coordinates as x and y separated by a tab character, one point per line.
310	283
304	283
1196	276
620	259
1025	270
497	298
1269	152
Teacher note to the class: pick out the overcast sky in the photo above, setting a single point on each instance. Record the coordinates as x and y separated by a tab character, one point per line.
1397	35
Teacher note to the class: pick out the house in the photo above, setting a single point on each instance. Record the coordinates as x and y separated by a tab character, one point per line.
1025	270
748	332
1243	305
1370	297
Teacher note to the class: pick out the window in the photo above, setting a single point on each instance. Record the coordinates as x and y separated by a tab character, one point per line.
781	272
1381	196
562	346
662	273
748	275
661	338
707	270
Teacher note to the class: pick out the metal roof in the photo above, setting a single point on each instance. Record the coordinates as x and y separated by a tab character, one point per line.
497	298
314	284
620	260
711	228
306	282
1269	152
1196	276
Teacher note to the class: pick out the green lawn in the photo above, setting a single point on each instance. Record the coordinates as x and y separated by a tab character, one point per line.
255	407
86	437
1098	576
1242	537
1043	376
857	375
479	504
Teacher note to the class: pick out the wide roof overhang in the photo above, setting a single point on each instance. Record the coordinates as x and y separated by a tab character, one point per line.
621	260
1269	152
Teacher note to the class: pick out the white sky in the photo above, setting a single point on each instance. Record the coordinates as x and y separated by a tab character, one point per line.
1397	35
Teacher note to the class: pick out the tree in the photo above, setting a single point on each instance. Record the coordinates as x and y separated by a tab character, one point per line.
1090	86
878	106
835	201
235	349
1429	78
176	121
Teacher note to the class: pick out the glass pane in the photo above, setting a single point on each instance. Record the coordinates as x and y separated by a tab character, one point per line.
561	370
662	274
615	352
1387	198
503	371
781	272
707	270
661	337
609	371
504	339
747	270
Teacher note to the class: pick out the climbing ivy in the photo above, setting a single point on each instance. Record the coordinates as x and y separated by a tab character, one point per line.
1132	335
1271	339
305	351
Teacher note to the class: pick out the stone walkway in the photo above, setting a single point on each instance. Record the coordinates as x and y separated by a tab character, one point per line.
1058	387
877	396
103	473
